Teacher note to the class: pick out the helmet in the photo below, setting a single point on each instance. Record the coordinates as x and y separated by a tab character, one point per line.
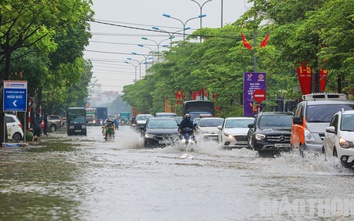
187	116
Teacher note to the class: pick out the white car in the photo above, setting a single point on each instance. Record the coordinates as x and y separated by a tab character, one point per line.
208	127
233	132
339	138
14	128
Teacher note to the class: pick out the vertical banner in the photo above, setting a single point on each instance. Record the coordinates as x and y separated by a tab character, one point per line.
167	106
179	97
252	82
304	74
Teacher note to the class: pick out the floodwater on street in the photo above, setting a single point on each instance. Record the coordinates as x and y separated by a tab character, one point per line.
87	178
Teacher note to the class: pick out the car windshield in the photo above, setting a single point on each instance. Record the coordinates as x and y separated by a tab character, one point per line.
238	123
196	120
162	124
211	122
324	113
54	117
78	120
142	117
178	119
347	122
277	120
166	115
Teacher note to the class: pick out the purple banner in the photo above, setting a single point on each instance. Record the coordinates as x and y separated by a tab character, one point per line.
252	82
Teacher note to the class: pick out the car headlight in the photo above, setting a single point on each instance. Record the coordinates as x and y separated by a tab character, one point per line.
344	143
83	126
228	135
71	127
149	135
309	138
260	136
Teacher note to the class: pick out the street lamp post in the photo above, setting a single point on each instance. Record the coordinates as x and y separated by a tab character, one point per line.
201	10
139	62
171	34
158	44
183	23
135	66
145	58
222	13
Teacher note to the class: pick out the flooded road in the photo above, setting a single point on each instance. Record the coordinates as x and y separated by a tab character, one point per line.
86	178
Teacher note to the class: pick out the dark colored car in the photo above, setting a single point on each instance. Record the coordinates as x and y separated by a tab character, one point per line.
76	121
160	131
270	132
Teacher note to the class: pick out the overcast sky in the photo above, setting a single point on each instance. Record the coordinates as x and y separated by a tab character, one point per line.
124	22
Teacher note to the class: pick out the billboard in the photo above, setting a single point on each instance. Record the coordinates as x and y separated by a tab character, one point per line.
252	82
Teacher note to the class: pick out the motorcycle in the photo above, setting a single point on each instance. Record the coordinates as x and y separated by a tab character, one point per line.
187	136
108	131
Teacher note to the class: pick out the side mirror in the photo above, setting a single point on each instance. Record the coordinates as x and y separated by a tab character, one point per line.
331	129
220	127
297	120
250	126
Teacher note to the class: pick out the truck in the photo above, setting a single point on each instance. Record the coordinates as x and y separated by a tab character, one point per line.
91	115
101	115
124	118
198	108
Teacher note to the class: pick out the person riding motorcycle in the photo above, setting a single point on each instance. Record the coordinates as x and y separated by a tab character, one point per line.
108	129
186	125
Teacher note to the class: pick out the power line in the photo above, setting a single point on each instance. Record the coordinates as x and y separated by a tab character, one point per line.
128	23
110	52
118	43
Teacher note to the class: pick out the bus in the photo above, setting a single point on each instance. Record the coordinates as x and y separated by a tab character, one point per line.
76	121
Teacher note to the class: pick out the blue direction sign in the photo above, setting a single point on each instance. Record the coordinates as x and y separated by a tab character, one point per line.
15	96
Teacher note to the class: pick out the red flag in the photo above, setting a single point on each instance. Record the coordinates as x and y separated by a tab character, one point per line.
264	42
245	42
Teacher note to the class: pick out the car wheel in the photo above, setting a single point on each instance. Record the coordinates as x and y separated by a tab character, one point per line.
17	137
52	127
147	145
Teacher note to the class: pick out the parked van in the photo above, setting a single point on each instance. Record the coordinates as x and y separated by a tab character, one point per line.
312	117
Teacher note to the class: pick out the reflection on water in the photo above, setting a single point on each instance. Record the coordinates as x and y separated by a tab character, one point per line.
39	184
87	178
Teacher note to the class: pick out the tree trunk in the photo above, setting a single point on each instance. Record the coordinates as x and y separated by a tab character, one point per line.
3	130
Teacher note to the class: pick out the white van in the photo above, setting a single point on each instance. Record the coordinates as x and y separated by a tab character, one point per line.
312	117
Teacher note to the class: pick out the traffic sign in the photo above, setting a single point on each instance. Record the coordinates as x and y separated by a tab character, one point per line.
30	101
259	95
15	96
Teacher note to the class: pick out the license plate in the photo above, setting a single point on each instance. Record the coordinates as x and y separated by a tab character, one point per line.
282	145
163	142
77	130
242	142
